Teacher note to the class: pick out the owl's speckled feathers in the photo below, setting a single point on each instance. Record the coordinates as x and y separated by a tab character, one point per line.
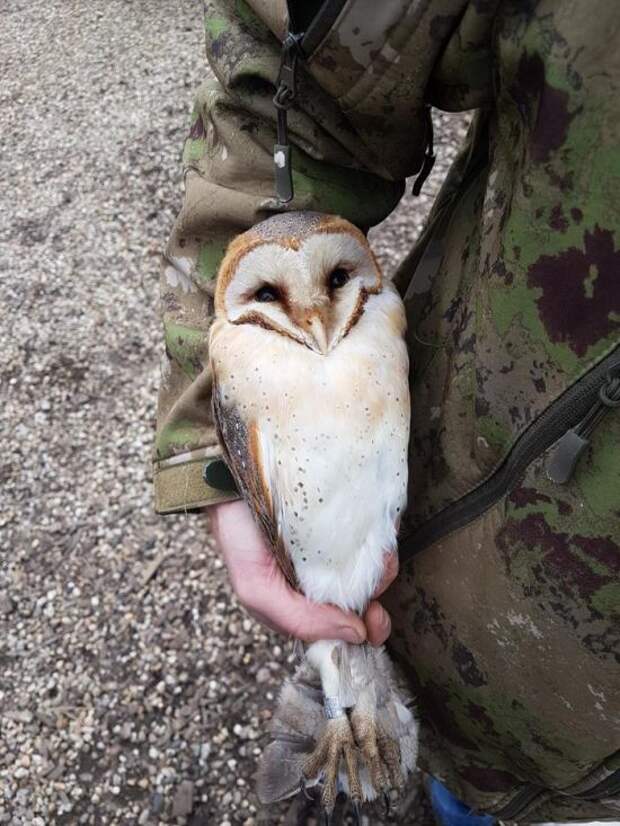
311	399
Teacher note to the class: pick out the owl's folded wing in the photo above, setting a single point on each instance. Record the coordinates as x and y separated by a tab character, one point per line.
241	443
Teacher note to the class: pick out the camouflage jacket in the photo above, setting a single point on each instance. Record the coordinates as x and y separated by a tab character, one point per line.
506	611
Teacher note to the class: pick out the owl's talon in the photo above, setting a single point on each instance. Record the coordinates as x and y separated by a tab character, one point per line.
357	814
387	803
380	753
304	789
390	755
326	818
335	743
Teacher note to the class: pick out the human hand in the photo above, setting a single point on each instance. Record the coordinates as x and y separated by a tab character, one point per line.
263	591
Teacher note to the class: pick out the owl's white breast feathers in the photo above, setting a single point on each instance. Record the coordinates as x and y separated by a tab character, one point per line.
333	434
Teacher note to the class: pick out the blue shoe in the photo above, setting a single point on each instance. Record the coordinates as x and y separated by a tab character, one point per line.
449	811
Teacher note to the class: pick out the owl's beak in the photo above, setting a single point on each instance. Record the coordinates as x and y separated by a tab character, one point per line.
316	327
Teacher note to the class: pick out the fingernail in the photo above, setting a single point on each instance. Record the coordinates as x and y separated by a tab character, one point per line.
350	634
385	624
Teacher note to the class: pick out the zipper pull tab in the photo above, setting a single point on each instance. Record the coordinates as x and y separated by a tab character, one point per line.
567	451
429	155
565	455
283	100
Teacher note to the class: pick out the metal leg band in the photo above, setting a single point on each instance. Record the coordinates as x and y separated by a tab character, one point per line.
332	708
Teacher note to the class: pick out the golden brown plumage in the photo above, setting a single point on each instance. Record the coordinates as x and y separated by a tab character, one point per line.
241	448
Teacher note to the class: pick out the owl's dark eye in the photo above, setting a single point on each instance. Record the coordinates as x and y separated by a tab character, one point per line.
337	278
267	293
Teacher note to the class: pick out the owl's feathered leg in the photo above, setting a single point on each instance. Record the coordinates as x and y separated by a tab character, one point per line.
337	742
341	723
381	727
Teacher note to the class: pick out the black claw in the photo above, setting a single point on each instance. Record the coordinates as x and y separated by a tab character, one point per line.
303	789
357	814
387	803
326	818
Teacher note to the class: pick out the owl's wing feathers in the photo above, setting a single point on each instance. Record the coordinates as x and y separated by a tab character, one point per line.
241	442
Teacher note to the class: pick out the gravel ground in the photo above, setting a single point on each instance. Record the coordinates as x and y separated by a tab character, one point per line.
132	688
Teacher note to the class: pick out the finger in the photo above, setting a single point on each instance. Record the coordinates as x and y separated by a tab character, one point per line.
233	527
390	572
308	621
262	588
378	623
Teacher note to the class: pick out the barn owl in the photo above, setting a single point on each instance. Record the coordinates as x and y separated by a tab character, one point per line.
311	402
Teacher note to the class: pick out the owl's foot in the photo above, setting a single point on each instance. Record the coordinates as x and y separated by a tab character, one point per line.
380	752
336	743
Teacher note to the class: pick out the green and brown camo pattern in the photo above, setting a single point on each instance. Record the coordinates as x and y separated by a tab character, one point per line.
507	629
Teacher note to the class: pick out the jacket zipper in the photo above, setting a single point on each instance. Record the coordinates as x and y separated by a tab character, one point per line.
566	453
285	95
530	797
521	801
610	787
580	408
296	46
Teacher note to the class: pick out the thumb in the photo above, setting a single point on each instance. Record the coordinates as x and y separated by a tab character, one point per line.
311	621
